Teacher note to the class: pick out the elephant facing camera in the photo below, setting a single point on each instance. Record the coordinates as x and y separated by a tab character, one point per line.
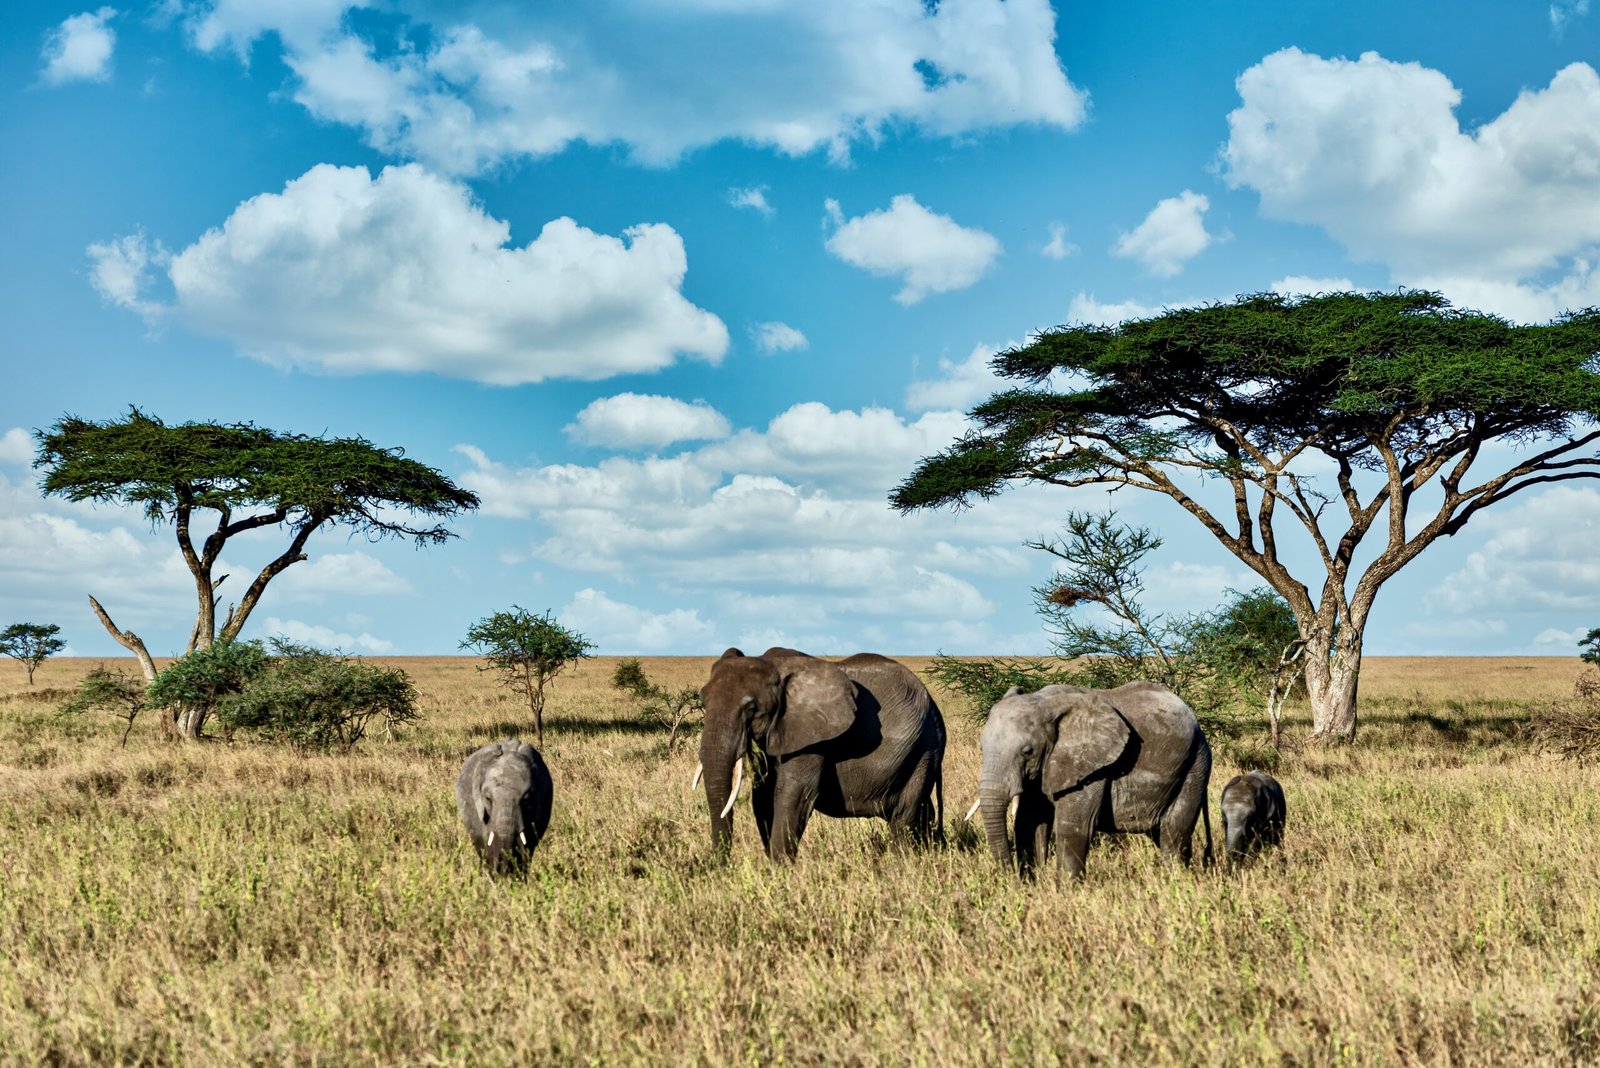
503	797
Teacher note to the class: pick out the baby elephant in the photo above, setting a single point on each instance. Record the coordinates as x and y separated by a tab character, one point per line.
503	797
1252	814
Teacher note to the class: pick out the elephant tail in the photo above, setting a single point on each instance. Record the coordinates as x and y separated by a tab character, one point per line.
1205	813
938	806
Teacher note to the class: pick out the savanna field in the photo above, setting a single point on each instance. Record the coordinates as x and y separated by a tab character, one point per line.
1437	901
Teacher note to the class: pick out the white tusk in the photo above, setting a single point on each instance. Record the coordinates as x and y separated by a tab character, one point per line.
1011	810
738	780
968	817
694	782
491	839
522	836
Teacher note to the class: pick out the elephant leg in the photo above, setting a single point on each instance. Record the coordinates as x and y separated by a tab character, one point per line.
1176	826
911	818
761	802
794	797
1033	831
1077	812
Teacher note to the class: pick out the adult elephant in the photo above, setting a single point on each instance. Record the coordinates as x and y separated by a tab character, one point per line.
862	737
1132	760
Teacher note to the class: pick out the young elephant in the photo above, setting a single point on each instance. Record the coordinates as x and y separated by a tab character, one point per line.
1252	814
503	797
1080	762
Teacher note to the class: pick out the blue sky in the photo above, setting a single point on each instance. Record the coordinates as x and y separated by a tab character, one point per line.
683	289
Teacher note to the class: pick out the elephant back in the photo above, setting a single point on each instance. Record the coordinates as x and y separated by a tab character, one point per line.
907	711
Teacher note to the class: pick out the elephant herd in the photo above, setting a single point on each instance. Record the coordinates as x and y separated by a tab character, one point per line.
863	737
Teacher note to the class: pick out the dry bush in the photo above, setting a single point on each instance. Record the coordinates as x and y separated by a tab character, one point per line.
1571	729
1433	903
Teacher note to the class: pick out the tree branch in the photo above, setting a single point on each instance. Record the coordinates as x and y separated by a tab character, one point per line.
128	640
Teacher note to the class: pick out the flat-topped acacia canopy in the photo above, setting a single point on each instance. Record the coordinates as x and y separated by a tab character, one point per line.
251	477
1399	384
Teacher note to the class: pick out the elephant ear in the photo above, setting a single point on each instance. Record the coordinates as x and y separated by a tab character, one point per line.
819	704
1091	735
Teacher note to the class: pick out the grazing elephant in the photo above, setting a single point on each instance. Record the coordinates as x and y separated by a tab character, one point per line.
862	737
1126	761
1252	814
503	797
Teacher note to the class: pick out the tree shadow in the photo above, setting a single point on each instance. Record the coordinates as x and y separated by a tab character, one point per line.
1454	728
582	727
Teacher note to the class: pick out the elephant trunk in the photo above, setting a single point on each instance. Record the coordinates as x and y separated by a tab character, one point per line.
505	847
1238	839
719	757
994	802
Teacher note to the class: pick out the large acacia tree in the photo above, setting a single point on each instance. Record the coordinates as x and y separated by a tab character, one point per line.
1342	415
241	477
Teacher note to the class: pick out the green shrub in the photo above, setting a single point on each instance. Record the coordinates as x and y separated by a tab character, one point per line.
984	681
319	701
657	704
190	689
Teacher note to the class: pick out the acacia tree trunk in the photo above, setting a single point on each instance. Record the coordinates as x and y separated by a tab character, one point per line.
1332	673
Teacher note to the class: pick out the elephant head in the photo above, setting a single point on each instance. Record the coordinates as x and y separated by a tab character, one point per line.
781	701
1036	746
502	797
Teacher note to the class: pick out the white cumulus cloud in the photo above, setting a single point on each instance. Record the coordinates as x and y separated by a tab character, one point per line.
1058	247
615	626
1084	308
16	446
80	49
1299	284
323	637
339	575
1539	556
755	199
930	253
633	420
960	384
662	80
1170	236
778	337
1371	151
346	273
782	529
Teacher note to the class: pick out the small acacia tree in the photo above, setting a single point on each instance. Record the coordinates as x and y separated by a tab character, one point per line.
527	651
1338	413
670	708
1590	646
318	701
248	478
1102	635
31	643
103	690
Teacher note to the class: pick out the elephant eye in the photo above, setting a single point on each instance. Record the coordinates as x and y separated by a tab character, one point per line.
1027	750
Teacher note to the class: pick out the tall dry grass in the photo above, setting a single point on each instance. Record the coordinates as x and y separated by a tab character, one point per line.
1437	901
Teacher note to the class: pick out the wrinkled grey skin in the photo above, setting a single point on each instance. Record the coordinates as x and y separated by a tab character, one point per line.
1253	814
1132	760
862	737
504	788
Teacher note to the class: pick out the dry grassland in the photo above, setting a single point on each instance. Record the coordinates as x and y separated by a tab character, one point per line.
1437	902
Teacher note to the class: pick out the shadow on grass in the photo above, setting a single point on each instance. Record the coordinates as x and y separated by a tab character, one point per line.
581	727
1456	728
